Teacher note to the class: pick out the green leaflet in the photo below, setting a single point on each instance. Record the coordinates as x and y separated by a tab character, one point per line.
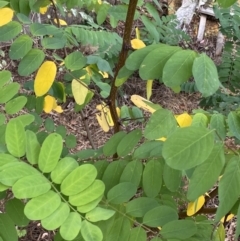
91	193
238	223
101	166
234	123
128	142
31	186
91	232
5	76
121	193
15	105
71	226
152	178
6	158
137	234
132	172
144	150
8	230
195	143
10	30
50	152
8	91
199	119
218	123
75	61
206	174
99	214
42	206
205	75
159	216
89	206
161	124
226	3
20	47
14	171
153	64
139	206
15	210
178	68
179	229
32	147
53	42
57	218
79	179
229	188
64	167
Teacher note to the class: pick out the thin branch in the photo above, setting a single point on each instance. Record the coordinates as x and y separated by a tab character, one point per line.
122	58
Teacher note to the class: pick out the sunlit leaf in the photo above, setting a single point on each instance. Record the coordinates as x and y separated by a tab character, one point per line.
44	78
79	91
6	15
61	22
137	44
184	120
149	88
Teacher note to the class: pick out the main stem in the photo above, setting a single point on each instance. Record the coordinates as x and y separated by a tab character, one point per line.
122	58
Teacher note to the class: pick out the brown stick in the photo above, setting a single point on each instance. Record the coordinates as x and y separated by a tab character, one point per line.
122	58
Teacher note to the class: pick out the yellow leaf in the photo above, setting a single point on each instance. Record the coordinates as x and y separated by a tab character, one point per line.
6	16
184	120
58	109
44	78
229	217
49	102
141	102
43	10
137	33
62	22
109	118
193	207
102	121
149	88
104	74
137	44
99	1
89	70
118	111
79	91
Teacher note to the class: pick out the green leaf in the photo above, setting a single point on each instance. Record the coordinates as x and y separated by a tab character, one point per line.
219	234
205	75
79	179
238	223
161	124
15	138
57	218
132	172
3	4
179	229
128	142
199	119
151	28
26	119
195	143
31	62
206	174
134	60
145	149
14	171
15	105
110	147
20	47
71	227
49	125
137	234
5	77
15	210
140	206
23	18
75	61
50	152
31	186
7	228
61	130
89	194
102	13
121	193
89	206
112	174
99	214
229	187
91	232
53	43
178	68
217	122
101	166
71	141
153	64
7	158
172	178
38	29
234	123
160	216
10	31
152	178
226	3
8	91
42	206
64	167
